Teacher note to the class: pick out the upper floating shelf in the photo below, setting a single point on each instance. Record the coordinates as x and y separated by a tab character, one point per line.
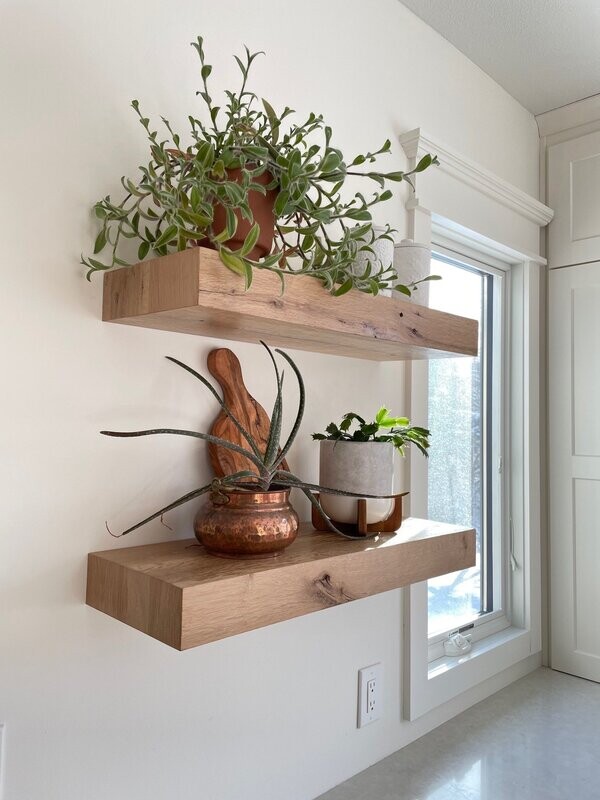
192	292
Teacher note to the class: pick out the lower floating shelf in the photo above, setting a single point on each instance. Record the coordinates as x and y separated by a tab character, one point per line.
180	595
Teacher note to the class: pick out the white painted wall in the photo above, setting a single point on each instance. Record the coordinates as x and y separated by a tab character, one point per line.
92	708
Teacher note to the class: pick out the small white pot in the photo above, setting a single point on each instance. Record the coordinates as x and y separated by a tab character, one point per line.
412	261
356	467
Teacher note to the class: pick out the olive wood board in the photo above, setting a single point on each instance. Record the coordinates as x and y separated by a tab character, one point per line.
192	292
179	594
224	366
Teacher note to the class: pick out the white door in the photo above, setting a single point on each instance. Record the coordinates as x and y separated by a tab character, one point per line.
574	451
574	194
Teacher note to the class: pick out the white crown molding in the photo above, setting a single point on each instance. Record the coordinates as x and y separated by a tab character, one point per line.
574	115
416	144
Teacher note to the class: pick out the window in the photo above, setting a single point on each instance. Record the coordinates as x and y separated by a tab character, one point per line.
465	487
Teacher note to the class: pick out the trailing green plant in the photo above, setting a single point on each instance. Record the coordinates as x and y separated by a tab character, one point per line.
319	230
267	462
384	428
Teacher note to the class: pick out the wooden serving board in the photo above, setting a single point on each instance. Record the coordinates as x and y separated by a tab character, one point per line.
225	367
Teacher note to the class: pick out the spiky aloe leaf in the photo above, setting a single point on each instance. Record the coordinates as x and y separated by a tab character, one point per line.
283	475
272	447
246	434
299	415
316	504
186	498
196	434
179	502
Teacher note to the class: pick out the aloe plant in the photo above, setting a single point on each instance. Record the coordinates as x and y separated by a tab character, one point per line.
320	226
384	428
267	463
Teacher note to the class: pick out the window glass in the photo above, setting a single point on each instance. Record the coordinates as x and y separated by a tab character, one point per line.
456	461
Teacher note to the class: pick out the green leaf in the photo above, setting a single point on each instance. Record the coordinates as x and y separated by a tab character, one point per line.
166	236
393	422
273	120
143	250
424	163
281	202
331	161
231	223
353	415
250	240
345	287
100	242
97	264
381	414
394	176
234	263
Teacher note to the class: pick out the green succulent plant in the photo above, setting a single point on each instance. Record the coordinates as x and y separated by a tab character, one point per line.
384	428
319	230
268	471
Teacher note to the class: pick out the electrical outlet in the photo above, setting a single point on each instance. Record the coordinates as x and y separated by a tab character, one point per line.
370	693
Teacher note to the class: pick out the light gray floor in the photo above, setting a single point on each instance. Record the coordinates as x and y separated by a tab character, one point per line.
538	739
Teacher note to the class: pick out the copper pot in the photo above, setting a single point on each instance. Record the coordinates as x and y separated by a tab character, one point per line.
236	524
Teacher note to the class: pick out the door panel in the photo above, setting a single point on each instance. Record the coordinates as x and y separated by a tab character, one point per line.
574	447
586	381
574	194
585	573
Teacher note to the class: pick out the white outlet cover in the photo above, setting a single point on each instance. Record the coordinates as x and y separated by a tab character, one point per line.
369	704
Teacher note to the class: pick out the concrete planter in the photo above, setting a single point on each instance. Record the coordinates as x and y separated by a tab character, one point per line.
356	467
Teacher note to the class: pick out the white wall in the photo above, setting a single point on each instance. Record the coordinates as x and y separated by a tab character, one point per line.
92	708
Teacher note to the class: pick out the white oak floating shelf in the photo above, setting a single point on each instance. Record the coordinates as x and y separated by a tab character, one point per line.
193	292
184	597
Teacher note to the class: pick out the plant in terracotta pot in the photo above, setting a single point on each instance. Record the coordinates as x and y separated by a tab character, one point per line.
359	456
248	513
263	191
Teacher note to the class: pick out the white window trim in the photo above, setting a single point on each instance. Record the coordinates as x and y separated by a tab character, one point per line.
429	684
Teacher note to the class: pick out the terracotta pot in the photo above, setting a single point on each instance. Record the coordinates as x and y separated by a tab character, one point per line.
247	524
262	211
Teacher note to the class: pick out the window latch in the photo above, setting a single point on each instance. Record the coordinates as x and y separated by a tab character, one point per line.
457	644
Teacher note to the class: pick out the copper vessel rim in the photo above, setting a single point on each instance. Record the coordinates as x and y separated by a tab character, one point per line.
274	495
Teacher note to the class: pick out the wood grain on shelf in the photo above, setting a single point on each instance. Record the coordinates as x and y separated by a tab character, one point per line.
192	292
177	593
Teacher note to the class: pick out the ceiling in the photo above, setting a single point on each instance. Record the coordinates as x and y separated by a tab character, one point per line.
545	53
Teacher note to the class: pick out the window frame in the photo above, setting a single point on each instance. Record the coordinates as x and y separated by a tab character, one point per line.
499	618
517	649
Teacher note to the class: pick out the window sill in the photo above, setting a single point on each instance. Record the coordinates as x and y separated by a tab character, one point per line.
509	637
431	685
